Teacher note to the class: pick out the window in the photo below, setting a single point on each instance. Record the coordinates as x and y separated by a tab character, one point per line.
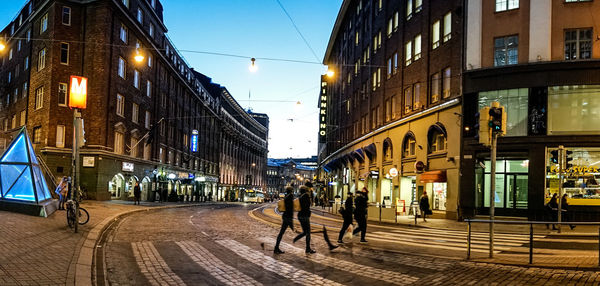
446	83
407	100
9	76
140	16
435	38
123	33
504	5
447	26
41	59
396	21
417	96
28	35
135	109
378	77
578	44
39	98
66	16
148	88
19	45
64	53
14	121
25	89
417	47
126	3
136	79
153	3
393	103
409	9
437	140
569	1
395	63
60	136
147	120
408	53
389	68
118	142
418	6
435	87
37	134
374	81
23	117
151	30
570	109
516	102
134	147
44	23
62	94
121	70
149	61
506	51
16	94
10	54
120	105
26	63
409	146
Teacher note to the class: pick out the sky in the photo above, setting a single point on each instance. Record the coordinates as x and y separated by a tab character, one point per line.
260	29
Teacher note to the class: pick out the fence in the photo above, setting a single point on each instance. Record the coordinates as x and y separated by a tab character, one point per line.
381	212
530	223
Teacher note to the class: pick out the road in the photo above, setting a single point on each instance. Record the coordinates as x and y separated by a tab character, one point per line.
224	245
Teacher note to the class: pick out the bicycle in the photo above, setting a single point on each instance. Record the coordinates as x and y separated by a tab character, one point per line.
84	216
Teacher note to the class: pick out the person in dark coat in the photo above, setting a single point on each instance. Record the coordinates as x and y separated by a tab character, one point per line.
137	193
347	215
564	205
304	217
552	208
360	214
424	205
287	217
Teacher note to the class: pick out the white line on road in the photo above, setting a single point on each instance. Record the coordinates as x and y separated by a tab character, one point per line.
350	267
225	273
270	264
153	266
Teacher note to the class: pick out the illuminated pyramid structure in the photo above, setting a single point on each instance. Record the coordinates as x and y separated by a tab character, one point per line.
22	184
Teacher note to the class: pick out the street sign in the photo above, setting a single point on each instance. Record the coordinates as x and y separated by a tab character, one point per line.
78	93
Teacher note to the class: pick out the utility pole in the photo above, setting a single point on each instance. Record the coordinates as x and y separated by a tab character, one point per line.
493	191
561	169
75	182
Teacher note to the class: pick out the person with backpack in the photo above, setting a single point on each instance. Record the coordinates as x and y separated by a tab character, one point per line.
304	217
287	218
347	215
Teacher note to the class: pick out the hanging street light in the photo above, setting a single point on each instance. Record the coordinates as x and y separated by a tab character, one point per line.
253	67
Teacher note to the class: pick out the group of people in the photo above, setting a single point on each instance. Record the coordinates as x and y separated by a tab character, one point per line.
353	207
552	209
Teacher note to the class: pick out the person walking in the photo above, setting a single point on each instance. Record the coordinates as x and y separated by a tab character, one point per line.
287	218
424	205
565	210
360	214
552	209
347	215
60	191
137	193
304	217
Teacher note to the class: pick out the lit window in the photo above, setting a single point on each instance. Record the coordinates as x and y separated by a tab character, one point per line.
60	136
446	83
62	94
37	134
148	88
123	33
435	35
41	59
136	79
408	52
126	3
578	44
26	63
409	9
120	105
149	60
118	142
44	23
151	30
25	89
66	16
121	70
10	54
504	5
437	141
407	100
140	15
39	98
417	47
506	51
447	26
409	148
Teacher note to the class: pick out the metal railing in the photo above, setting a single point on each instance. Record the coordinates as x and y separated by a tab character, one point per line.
380	212
46	170
530	223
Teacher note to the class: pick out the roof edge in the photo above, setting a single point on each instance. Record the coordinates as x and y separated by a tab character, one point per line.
336	28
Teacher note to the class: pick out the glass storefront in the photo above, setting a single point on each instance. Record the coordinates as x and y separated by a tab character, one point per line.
511	184
515	101
580	181
571	107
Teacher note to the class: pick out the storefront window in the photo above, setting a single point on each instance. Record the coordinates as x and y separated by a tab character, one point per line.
511	184
570	109
515	102
580	181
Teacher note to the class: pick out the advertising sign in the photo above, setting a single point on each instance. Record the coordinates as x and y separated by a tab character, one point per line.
78	92
323	112
194	145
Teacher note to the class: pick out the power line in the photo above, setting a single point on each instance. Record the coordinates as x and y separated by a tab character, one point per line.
297	30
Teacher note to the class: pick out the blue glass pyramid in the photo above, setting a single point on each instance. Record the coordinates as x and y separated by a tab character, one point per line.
21	178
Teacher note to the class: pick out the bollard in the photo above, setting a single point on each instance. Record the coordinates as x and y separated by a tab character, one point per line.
531	243
379	206
469	240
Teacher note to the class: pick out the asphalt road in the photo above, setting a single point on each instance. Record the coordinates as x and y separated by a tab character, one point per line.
224	245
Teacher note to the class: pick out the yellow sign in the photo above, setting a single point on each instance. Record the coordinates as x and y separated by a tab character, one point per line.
78	93
575	169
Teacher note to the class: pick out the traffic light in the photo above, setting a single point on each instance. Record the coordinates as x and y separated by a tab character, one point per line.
484	128
568	159
495	119
554	157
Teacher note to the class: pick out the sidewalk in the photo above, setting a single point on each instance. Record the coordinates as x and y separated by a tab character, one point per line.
45	251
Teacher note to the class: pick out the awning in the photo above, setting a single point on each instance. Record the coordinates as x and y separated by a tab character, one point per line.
359	155
370	150
433	177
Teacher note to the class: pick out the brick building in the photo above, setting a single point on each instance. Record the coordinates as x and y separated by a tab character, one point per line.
49	41
390	117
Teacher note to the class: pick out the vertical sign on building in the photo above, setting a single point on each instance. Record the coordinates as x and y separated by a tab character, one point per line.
323	112
78	94
194	144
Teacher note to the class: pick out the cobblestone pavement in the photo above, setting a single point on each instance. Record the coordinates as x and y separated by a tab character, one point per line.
233	246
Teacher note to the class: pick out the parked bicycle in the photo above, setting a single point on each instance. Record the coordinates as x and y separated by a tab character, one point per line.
84	216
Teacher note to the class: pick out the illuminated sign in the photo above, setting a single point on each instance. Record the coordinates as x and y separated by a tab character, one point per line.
127	167
78	93
393	172
323	113
194	145
575	170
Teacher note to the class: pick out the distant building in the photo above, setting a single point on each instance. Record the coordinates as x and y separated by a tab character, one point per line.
289	172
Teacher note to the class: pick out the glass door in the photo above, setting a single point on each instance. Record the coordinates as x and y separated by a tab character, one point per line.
517	191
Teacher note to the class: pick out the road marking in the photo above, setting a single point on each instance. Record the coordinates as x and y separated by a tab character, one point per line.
225	273
268	263
350	267
448	240
153	266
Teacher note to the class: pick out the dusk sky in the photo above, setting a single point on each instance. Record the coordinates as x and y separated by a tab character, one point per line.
260	29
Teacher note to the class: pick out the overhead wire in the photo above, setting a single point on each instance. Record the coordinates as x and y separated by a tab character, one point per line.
297	29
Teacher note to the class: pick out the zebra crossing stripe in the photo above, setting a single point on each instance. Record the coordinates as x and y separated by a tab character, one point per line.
153	266
446	240
414	242
225	273
268	263
351	267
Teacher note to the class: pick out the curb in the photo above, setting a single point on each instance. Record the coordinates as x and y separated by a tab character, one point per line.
83	266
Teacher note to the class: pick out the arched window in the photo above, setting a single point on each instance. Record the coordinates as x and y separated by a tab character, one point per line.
409	145
388	153
436	137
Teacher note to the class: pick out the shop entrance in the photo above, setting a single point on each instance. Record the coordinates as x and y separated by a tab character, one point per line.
511	185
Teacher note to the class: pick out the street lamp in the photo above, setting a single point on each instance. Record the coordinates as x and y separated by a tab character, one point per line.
330	72
2	46
253	67
138	56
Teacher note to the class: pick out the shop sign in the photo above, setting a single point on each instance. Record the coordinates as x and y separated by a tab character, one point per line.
575	170
393	172
127	167
88	161
191	176
323	112
194	143
419	166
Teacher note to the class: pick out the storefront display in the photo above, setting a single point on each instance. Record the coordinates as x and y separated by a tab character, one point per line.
580	181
